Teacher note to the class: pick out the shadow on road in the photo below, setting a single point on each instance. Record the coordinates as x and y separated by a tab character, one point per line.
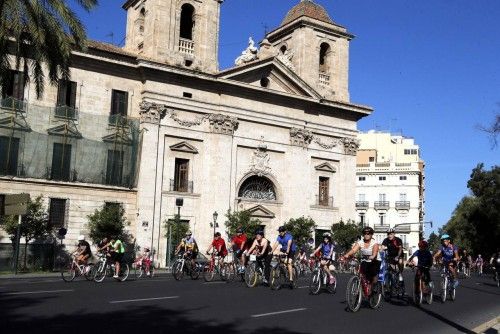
453	324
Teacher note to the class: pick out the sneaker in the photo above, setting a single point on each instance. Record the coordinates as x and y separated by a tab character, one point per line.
148	274
115	276
431	285
264	281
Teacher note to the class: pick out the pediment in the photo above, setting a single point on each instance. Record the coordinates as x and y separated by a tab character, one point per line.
65	130
184	147
261	212
11	122
280	77
326	167
118	137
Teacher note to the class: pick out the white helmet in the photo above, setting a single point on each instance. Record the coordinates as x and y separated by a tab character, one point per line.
81	237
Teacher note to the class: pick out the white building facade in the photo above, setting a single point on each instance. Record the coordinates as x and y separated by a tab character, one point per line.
390	186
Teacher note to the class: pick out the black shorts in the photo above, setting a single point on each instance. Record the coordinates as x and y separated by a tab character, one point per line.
116	257
370	269
290	255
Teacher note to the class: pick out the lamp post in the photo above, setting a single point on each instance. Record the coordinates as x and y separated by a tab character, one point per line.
214	224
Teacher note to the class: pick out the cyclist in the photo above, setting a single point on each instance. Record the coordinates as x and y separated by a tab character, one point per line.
479	264
394	247
326	249
83	252
424	262
116	252
449	255
218	246
262	247
146	259
189	247
288	248
370	257
239	243
494	262
466	260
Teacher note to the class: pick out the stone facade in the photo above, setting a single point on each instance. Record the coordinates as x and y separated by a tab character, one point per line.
265	136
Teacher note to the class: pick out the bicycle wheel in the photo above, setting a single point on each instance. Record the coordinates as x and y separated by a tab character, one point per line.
295	278
444	288
152	271
417	292
177	270
194	272
100	272
387	287
251	275
453	293
353	294
229	271
332	287
376	296
209	273
275	283
429	295
89	272
124	272
315	282
68	272
138	271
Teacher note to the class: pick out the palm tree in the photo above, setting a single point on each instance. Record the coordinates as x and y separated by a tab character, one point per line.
38	36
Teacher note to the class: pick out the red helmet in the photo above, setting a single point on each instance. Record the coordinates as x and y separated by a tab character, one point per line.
423	244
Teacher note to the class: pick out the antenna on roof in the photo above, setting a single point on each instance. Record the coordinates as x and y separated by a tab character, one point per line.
264	25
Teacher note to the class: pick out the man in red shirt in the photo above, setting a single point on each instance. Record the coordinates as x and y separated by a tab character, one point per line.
238	242
219	247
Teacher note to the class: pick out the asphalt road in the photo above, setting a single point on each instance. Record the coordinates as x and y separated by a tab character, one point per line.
164	305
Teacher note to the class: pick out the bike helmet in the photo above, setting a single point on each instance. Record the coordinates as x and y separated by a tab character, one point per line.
445	236
259	232
368	230
81	238
189	233
239	230
423	244
281	229
391	230
327	235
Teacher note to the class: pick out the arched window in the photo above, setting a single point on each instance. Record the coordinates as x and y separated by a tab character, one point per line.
283	49
324	58
258	187
187	21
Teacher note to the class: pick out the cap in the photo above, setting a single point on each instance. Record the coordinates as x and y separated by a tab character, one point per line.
81	237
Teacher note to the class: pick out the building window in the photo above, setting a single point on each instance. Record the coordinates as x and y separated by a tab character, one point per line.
323	195
258	188
371	159
402	178
9	154
362	219
57	212
402	197
114	168
181	176
381	219
119	102
14	86
412	151
61	162
66	94
362	178
362	197
324	53
381	197
187	21
2	205
381	178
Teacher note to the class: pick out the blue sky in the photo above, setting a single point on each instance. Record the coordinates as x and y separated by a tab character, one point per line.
429	68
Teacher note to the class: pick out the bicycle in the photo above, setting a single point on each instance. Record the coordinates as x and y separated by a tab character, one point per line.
214	266
496	275
422	290
183	265
353	266
447	285
359	289
280	275
73	269
105	268
321	280
140	268
392	285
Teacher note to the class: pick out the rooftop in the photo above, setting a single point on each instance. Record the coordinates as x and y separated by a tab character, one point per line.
307	8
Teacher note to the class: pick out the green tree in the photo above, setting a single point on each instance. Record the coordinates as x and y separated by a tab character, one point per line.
434	241
38	34
301	229
34	225
176	230
108	221
241	219
345	234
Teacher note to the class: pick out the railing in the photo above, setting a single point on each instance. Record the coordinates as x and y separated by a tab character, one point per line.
403	164
324	79
381	205
405	228
362	205
362	165
66	112
324	201
381	227
382	164
117	120
181	186
11	103
186	46
402	205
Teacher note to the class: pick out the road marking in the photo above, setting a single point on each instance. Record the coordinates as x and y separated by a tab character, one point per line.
141	300
302	287
487	325
35	292
278	312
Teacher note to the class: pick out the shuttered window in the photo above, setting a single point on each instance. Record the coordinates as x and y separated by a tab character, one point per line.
57	212
61	162
114	168
9	154
66	95
119	102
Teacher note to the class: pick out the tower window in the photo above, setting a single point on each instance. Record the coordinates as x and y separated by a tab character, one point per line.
187	21
283	49
324	53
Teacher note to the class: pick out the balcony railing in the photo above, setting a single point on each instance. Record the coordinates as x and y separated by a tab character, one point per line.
324	79
186	46
402	205
13	104
381	227
403	228
381	205
181	186
362	205
324	201
66	112
117	120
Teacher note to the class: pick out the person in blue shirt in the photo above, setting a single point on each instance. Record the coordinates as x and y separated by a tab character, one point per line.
425	259
326	248
449	255
287	246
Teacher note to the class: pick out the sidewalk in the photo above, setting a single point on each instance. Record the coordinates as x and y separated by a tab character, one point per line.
30	275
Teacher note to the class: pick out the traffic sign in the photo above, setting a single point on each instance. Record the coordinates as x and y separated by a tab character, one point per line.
16	198
16	204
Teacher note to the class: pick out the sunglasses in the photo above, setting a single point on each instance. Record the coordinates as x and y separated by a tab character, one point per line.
366	233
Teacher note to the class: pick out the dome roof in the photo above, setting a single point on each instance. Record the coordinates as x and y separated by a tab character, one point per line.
309	9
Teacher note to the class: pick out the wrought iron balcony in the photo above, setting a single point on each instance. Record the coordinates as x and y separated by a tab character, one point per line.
324	79
402	205
118	120
186	46
381	227
362	204
406	228
13	104
381	205
66	112
181	186
324	201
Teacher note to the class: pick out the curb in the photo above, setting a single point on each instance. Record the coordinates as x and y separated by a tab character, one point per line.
490	327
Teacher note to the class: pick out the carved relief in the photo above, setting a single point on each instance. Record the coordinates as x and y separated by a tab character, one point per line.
327	146
188	123
151	112
351	145
300	137
260	160
248	55
286	59
223	124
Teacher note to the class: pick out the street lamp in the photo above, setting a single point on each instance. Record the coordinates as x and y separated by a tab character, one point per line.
214	224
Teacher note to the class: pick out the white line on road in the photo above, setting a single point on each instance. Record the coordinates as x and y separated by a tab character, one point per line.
141	300
35	292
302	287
279	312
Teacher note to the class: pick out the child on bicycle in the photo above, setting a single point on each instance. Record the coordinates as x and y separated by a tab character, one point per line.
326	249
424	261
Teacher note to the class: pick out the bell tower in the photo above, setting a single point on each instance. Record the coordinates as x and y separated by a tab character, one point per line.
182	33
